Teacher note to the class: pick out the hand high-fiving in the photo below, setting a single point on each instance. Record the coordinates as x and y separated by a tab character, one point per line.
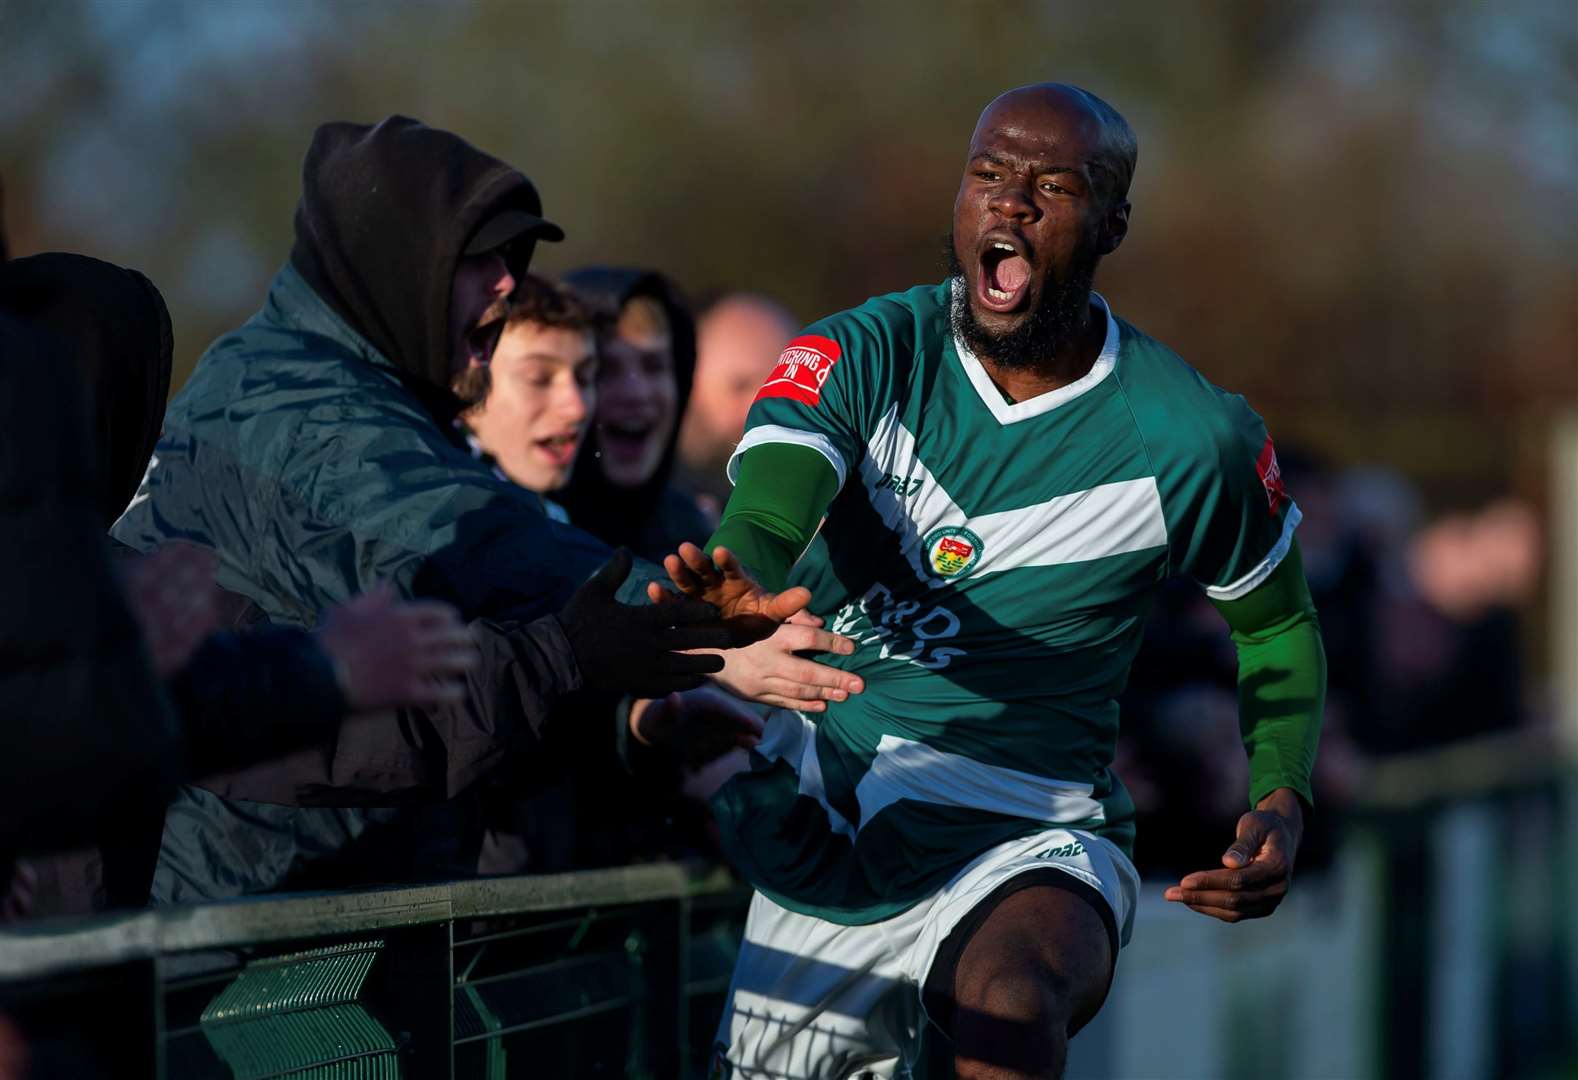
749	611
172	595
391	654
775	672
640	650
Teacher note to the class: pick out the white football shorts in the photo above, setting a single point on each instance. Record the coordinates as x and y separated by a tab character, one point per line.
817	1000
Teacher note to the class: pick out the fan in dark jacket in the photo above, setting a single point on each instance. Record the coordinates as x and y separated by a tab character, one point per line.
314	451
239	699
84	723
111	325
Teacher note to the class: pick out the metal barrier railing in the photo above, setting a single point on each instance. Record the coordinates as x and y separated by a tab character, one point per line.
1463	961
613	973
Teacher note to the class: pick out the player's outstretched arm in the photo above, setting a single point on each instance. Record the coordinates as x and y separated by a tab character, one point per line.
1281	698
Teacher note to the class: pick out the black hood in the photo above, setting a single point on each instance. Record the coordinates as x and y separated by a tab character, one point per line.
616	515
386	212
113	327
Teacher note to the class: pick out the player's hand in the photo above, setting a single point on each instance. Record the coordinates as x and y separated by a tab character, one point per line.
645	651
749	611
1259	864
173	597
698	726
391	654
771	673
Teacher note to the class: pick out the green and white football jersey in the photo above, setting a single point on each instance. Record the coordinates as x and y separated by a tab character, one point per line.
994	561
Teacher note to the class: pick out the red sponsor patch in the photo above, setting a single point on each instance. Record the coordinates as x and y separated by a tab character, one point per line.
1271	475
802	369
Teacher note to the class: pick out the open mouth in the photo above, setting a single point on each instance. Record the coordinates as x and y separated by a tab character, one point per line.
560	449
625	441
1005	273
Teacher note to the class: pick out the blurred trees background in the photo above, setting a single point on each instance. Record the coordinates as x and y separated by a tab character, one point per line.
1360	215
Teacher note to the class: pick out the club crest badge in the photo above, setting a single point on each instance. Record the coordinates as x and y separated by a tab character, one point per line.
952	551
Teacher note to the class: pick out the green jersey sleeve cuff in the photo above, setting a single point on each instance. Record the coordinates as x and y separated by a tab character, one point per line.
776	433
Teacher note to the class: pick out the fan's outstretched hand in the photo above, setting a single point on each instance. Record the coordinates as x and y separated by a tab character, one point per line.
749	611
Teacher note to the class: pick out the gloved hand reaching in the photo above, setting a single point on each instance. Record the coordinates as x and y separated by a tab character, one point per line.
640	650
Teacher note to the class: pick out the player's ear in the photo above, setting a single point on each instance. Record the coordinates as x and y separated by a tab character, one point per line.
1114	227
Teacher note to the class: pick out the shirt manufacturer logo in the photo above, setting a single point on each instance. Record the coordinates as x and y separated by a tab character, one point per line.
900	485
803	367
952	551
1271	475
1063	851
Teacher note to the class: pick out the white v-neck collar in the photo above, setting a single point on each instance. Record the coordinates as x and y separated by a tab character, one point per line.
1010	413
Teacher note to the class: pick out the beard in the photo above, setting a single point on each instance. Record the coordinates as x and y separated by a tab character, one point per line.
1034	343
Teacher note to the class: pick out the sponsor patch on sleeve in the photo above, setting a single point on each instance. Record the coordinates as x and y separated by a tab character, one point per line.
1271	476
802	369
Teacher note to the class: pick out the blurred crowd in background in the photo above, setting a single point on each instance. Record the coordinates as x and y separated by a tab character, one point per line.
1360	217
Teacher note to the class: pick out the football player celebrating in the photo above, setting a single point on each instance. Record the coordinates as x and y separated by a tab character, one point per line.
1008	472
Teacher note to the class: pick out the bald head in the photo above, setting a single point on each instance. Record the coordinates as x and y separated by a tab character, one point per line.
737	342
1043	199
1111	146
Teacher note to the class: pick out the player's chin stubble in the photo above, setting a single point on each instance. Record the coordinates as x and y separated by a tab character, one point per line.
1035	340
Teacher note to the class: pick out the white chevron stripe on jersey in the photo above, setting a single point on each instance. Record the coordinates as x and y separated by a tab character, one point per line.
790	736
890	464
1108	519
905	769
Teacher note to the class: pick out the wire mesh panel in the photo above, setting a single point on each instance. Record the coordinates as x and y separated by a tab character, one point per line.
592	995
576	975
298	1014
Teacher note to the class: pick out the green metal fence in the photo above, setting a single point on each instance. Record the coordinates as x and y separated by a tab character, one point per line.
605	973
1444	943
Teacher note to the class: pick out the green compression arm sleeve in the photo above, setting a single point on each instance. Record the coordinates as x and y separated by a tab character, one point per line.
779	498
1281	678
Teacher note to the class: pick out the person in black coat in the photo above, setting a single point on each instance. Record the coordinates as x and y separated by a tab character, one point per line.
236	698
83	721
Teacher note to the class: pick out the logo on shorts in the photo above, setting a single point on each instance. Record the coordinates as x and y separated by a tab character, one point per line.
802	369
1062	851
952	551
1271	475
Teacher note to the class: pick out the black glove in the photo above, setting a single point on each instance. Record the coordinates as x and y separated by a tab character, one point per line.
635	650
